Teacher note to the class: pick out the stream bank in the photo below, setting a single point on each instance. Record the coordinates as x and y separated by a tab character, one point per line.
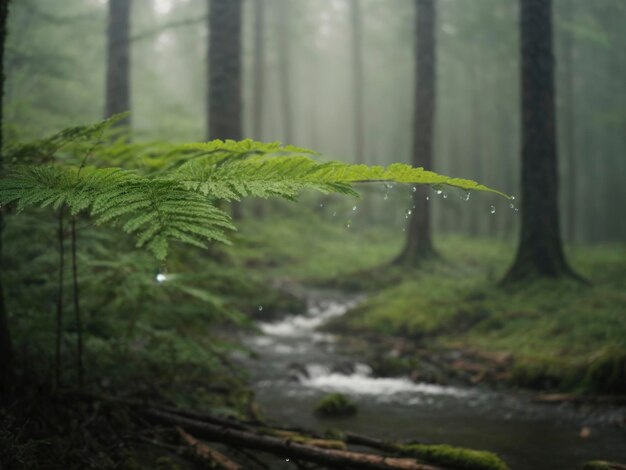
297	364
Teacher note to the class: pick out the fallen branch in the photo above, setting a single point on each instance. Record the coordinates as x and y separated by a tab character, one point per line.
205	452
307	445
286	448
366	441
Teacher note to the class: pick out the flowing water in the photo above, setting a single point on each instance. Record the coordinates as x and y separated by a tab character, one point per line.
297	366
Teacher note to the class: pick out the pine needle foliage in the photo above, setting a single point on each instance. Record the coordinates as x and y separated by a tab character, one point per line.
176	199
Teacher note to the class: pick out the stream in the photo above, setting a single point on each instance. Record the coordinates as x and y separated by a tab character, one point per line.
296	366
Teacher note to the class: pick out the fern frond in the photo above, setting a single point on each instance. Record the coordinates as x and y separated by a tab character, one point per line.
285	176
44	150
155	210
173	202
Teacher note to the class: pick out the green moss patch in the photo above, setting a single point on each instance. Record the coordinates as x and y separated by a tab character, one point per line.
455	457
336	405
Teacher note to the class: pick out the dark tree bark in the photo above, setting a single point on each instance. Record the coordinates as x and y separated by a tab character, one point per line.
6	350
118	59
419	245
540	251
224	107
357	88
284	52
259	82
570	127
224	62
259	68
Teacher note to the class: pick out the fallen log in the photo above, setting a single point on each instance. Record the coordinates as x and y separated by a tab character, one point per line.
205	452
285	448
222	429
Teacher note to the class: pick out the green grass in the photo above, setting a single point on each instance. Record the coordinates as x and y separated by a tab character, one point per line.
561	334
311	248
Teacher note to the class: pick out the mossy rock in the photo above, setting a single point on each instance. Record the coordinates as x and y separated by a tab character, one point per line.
456	458
336	405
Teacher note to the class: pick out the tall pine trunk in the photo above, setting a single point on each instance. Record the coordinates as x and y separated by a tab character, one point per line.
118	59
6	350
284	58
357	87
258	100
570	127
419	245
224	106
540	251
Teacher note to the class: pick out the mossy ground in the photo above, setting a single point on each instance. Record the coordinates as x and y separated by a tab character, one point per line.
561	334
456	457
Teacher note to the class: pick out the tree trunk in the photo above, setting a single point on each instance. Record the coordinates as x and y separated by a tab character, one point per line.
259	82
259	68
419	244
357	88
569	127
284	57
224	105
6	350
118	59
540	251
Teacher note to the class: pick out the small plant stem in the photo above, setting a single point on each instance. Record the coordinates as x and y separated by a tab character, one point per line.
79	326
59	313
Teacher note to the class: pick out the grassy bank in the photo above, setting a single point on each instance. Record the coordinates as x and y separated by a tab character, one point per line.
560	335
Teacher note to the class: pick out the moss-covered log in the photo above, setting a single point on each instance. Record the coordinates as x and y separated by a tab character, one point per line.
286	448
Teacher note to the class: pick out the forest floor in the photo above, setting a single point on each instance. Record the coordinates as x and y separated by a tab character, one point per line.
445	322
449	320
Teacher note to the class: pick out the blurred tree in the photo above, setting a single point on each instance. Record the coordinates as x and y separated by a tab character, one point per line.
540	250
568	124
259	68
6	350
419	244
118	59
224	107
259	81
284	52
357	72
